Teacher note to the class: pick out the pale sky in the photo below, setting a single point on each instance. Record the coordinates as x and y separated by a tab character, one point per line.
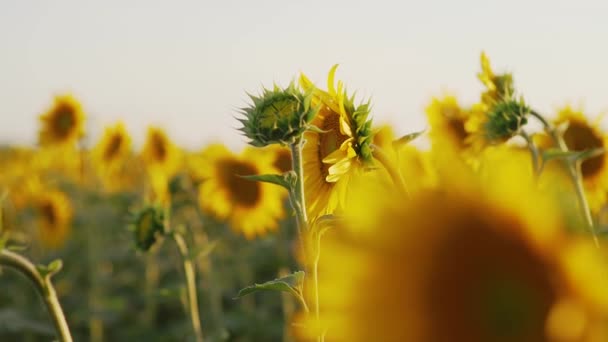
187	65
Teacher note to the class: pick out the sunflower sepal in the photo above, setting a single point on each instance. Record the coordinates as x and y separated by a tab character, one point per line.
291	283
406	139
148	226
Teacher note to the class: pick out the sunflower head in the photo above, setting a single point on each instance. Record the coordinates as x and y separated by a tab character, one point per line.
62	124
159	152
54	217
498	124
447	120
497	86
148	226
278	116
113	147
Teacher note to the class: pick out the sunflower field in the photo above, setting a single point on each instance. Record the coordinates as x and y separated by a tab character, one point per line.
490	225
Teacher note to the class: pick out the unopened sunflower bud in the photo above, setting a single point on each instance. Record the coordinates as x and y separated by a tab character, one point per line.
148	226
278	116
505	120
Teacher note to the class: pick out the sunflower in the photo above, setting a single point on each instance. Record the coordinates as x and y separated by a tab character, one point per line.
447	120
110	155
54	217
62	124
160	153
580	135
467	262
331	158
252	208
497	86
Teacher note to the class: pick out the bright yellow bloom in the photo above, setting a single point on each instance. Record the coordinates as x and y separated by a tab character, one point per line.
580	135
160	153
111	154
333	157
478	259
447	120
63	123
282	157
54	217
252	208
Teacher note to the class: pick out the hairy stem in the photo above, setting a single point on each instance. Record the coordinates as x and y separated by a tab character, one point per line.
533	152
44	287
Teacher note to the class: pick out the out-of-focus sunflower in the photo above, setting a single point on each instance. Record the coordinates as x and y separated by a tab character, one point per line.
162	160
333	157
497	86
580	135
54	213
160	153
282	158
447	120
63	123
474	260
252	208
110	155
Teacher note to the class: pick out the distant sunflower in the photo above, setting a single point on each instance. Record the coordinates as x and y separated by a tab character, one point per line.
160	153
252	208
63	123
54	213
447	120
488	267
331	158
580	135
282	157
111	153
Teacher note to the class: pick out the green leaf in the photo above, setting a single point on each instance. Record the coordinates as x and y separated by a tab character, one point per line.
572	156
55	266
316	129
274	179
289	283
407	138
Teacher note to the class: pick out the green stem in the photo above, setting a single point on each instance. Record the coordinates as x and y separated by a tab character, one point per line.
533	152
381	156
574	170
190	285
298	197
43	286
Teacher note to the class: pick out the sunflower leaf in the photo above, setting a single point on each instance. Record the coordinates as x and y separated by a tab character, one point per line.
572	156
269	178
290	283
407	138
316	129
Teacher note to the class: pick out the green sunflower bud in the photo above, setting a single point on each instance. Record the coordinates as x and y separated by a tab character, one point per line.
505	120
278	116
148	226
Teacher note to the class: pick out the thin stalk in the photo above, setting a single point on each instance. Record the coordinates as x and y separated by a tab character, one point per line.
574	170
391	169
298	199
190	285
315	279
534	154
44	287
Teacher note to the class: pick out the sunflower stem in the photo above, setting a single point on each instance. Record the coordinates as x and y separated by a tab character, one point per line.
381	156
45	288
574	170
297	192
533	152
190	285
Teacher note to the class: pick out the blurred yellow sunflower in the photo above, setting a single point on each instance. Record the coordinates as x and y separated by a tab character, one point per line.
54	213
331	158
580	135
160	153
110	155
162	160
497	86
447	120
282	158
466	262
252	208
63	123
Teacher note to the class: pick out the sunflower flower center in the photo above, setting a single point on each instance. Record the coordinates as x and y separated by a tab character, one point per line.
159	148
49	213
245	192
113	147
330	141
283	161
578	137
486	286
64	121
